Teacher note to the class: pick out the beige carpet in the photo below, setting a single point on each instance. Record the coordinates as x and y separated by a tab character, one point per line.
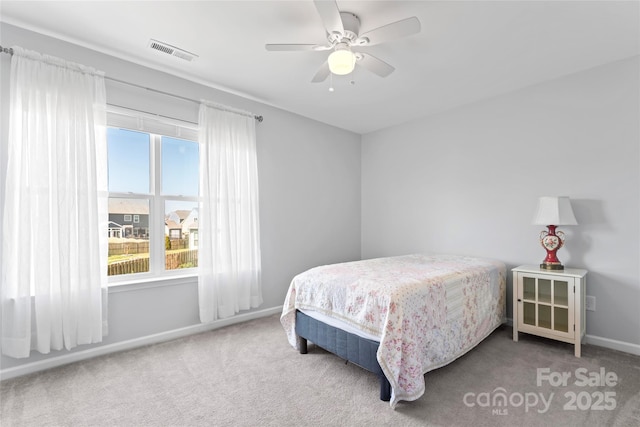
248	375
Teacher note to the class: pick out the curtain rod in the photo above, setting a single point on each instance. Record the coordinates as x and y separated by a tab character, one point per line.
219	107
257	117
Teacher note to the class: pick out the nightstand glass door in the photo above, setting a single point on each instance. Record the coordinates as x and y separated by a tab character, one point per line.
546	304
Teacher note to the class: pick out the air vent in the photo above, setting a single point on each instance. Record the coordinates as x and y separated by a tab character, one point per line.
171	50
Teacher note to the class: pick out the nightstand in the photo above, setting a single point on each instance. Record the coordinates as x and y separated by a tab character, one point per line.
549	303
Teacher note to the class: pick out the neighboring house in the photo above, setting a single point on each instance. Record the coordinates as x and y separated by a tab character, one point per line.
131	215
180	224
178	216
193	238
116	230
190	222
172	229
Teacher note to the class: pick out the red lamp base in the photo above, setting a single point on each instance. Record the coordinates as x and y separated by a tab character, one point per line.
551	240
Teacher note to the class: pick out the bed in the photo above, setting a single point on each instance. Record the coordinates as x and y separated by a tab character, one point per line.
398	317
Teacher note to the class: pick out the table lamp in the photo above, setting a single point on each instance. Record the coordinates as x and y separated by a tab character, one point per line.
553	211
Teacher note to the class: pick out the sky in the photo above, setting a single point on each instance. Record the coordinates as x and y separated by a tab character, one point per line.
129	166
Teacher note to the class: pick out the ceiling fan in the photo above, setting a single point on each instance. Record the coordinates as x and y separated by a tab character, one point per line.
343	37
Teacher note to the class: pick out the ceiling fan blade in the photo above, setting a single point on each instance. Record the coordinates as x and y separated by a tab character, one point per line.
373	64
294	47
330	15
322	73
395	30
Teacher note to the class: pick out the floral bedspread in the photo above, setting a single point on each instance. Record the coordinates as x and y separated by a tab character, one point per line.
427	309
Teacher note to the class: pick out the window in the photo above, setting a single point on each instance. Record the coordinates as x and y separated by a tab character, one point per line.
153	201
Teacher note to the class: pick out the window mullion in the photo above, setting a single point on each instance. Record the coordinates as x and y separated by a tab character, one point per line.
157	218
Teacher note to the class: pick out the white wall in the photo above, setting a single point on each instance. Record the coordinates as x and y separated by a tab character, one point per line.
467	181
309	177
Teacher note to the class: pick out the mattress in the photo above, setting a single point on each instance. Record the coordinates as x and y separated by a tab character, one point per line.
337	323
425	310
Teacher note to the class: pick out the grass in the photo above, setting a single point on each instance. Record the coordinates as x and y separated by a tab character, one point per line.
117	258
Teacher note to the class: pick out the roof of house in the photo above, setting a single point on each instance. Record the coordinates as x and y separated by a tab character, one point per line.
128	206
182	214
172	224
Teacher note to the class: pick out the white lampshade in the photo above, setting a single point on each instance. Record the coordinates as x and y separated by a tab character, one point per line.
554	211
341	61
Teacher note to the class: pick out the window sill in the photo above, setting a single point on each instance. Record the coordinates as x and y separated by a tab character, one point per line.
152	282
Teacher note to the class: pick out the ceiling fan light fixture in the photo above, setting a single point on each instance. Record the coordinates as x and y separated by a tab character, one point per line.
342	61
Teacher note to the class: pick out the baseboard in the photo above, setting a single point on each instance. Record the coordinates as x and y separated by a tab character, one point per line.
77	356
612	344
603	342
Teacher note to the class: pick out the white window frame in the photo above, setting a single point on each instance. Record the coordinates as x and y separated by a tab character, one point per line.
156	127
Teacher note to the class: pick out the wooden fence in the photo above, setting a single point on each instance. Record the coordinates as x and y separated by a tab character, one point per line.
129	248
138	265
179	243
142	247
182	259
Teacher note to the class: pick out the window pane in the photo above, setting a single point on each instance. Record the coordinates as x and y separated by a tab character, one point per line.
544	290
529	288
561	292
180	165
544	316
128	153
181	234
128	238
561	319
529	313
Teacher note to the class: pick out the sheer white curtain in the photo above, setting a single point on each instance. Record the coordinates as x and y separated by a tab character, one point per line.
55	212
229	232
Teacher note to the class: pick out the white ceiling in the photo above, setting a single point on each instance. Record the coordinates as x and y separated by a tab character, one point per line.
466	51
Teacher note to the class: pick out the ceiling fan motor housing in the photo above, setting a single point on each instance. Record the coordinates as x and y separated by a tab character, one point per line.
351	24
